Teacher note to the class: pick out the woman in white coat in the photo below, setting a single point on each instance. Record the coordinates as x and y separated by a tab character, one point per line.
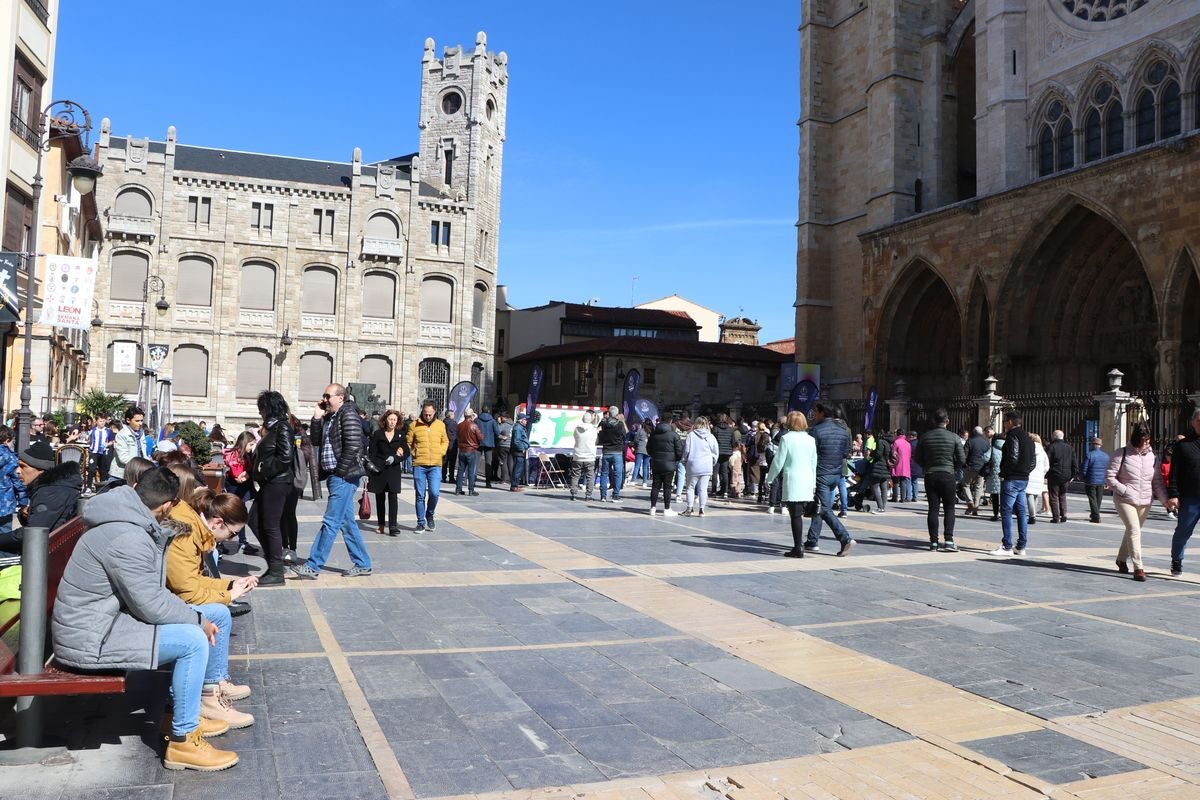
796	461
1035	490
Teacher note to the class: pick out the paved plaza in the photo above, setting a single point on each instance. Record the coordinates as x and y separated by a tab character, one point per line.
532	646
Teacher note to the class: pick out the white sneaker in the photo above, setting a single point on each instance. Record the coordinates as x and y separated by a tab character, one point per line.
1001	552
1020	551
653	510
645	485
670	512
770	509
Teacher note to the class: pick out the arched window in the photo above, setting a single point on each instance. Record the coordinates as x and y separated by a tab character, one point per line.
258	286
253	373
129	271
382	225
433	382
190	373
477	377
316	372
194	281
1159	108
437	299
133	202
1104	124
121	372
379	295
1056	140
377	370
479	309
320	291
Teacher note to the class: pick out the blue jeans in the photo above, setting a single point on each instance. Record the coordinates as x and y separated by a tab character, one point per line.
520	463
613	463
902	485
339	516
825	487
841	490
427	482
680	477
468	462
1189	515
1012	495
641	467
911	488
196	663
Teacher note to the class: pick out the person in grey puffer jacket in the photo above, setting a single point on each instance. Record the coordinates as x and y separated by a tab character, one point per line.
114	612
833	445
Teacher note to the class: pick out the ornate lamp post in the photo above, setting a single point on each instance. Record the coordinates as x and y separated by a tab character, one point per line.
152	285
61	119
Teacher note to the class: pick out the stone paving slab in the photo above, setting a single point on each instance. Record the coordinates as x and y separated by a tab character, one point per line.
1053	757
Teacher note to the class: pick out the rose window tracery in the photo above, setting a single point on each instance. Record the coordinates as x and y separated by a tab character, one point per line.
1101	10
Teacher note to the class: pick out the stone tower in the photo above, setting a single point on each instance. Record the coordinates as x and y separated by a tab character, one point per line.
740	330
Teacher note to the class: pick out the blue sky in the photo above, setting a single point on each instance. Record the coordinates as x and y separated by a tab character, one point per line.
650	140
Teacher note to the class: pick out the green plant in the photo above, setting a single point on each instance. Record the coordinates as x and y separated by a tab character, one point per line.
94	403
190	433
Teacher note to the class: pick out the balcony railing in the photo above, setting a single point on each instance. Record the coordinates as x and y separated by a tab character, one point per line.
258	320
22	129
436	332
40	9
130	227
381	328
125	311
318	323
193	315
479	338
382	248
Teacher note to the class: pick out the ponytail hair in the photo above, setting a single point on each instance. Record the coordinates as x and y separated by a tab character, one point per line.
187	483
226	506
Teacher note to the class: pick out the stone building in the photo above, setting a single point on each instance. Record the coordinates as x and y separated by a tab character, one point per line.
999	186
266	271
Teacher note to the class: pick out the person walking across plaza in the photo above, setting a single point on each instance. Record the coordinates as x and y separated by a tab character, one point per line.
1136	481
941	454
339	443
795	463
487	446
1035	490
388	449
583	458
611	440
976	450
727	436
833	445
991	470
470	442
273	472
1094	472
1017	460
699	459
451	459
519	464
1064	466
641	462
666	451
428	443
901	466
1183	491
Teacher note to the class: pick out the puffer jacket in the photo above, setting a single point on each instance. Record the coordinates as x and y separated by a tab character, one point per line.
520	434
940	451
346	437
612	435
664	448
833	445
12	488
724	434
1135	478
272	461
113	594
879	469
640	438
1185	468
487	428
54	496
700	452
428	443
185	559
585	442
1094	471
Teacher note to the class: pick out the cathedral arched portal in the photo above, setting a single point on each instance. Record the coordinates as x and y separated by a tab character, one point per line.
920	336
1078	307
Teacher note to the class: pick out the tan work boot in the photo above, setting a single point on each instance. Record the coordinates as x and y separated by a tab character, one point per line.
215	705
208	727
194	752
233	691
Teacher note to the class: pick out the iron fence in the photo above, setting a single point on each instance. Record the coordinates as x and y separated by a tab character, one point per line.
963	412
1167	414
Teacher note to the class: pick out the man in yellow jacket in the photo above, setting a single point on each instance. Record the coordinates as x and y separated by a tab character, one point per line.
428	443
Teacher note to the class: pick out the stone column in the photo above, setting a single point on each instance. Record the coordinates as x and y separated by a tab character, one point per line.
735	408
695	405
1114	432
991	406
1166	372
898	409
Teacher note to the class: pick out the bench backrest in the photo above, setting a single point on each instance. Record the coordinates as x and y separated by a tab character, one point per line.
62	543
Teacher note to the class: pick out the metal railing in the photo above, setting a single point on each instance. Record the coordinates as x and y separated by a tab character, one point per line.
40	9
21	128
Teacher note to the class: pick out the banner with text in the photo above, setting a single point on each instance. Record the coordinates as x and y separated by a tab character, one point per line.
10	307
460	399
67	293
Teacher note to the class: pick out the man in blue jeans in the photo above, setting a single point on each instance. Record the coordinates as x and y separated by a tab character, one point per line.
611	439
337	436
520	446
1016	462
428	443
833	445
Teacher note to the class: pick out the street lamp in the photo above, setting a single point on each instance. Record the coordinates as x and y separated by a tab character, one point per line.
70	119
152	285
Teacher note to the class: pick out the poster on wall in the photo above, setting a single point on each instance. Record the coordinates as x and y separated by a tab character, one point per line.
67	292
10	310
124	357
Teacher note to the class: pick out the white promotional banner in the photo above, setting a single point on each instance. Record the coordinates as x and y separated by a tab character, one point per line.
124	357
67	292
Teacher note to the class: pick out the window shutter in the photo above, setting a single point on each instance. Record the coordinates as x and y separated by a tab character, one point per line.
383	226
436	299
133	203
377	370
253	373
258	286
129	271
379	295
320	291
194	281
316	372
190	375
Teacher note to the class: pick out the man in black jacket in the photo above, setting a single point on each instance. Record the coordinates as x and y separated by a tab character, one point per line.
1064	466
338	445
53	492
977	449
1016	462
1183	491
611	440
941	455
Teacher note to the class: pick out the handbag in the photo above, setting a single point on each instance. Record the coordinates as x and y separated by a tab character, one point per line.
364	506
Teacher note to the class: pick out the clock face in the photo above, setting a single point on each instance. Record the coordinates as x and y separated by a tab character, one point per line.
451	103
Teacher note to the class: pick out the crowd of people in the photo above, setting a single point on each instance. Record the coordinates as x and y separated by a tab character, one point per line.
144	587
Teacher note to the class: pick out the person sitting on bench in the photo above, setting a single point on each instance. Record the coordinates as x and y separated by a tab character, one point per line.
113	612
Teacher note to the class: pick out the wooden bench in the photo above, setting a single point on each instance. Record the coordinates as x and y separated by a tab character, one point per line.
52	680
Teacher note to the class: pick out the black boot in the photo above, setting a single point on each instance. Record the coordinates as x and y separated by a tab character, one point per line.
273	576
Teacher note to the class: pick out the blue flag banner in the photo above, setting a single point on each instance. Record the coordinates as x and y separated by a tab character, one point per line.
460	398
535	389
629	396
803	396
869	416
644	409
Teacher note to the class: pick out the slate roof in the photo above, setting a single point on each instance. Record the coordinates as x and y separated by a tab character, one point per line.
283	169
663	348
632	317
